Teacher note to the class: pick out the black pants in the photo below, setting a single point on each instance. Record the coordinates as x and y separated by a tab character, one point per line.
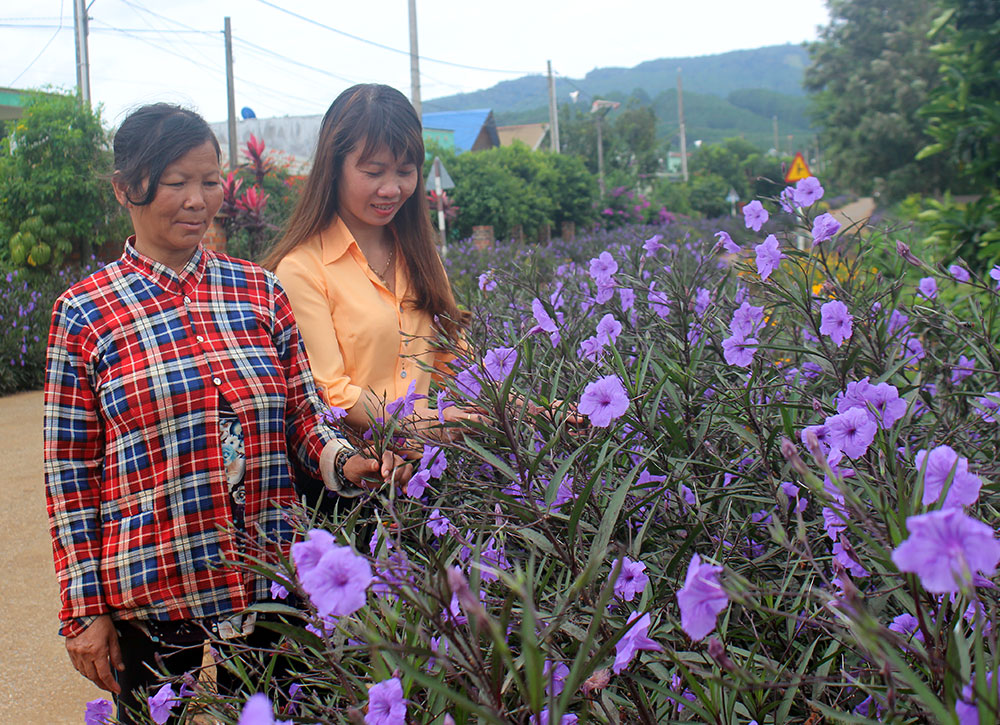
142	670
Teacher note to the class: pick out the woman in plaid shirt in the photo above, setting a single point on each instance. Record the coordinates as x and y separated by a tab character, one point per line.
176	390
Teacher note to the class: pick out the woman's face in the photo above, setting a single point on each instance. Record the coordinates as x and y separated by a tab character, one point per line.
188	195
371	192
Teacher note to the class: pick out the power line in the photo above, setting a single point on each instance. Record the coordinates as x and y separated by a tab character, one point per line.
292	61
44	47
389	47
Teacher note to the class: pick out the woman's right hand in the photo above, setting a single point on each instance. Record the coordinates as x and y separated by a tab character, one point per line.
95	651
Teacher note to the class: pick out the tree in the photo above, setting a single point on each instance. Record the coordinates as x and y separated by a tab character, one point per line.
55	200
871	70
963	119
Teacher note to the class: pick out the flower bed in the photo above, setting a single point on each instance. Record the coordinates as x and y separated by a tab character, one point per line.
777	506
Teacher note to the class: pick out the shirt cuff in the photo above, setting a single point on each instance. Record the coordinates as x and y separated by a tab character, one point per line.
74	627
328	469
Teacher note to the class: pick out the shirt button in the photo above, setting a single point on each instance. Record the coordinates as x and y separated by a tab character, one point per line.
217	381
200	338
187	300
402	374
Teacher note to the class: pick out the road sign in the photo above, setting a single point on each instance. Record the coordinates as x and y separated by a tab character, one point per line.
798	170
446	182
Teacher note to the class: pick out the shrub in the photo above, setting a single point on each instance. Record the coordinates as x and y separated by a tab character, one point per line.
741	526
55	200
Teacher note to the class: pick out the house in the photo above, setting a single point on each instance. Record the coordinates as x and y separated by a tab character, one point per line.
532	135
474	130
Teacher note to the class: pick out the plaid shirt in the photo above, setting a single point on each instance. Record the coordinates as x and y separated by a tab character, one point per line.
138	356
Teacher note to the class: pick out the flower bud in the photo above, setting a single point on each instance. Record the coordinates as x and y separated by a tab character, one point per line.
791	455
904	251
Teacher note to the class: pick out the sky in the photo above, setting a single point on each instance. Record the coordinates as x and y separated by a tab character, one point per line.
290	59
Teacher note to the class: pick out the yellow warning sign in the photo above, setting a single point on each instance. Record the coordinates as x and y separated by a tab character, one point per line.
798	170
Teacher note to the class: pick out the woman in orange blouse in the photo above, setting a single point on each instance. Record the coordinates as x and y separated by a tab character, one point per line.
359	263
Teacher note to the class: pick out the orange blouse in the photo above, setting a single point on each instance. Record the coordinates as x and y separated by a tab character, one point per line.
358	335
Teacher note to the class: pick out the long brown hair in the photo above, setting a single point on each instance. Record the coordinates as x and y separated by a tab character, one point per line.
380	117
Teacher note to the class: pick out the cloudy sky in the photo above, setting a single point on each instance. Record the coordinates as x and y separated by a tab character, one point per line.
292	57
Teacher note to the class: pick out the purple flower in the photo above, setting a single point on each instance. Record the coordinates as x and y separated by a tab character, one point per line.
543	717
492	558
337	582
701	598
468	384
404	405
769	256
754	215
960	273
938	466
824	227
433	460
499	362
726	242
332	414
807	191
836	321
544	323
946	548
605	290
746	320
603	266
659	302
914	350
928	288
257	711
555	677
651	245
633	641
278	591
438	523
306	554
631	579
851	432
627	297
888	406
702	300
486	281
98	711
995	275
961	371
906	624
418	483
739	351
386	705
604	400
161	704
988	407
608	329
590	349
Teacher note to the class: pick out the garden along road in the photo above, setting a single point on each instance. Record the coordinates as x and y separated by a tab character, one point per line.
38	685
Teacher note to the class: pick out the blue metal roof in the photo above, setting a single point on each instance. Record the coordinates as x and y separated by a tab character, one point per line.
465	124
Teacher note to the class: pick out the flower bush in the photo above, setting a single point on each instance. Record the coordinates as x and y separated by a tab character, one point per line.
712	484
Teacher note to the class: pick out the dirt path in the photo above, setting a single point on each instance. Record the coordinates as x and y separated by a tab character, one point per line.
38	685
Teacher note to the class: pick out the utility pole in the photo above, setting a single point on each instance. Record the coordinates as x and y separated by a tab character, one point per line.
414	61
553	112
231	92
680	116
774	125
82	56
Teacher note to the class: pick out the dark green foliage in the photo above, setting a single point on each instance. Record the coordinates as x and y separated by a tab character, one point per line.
513	185
55	199
872	69
963	118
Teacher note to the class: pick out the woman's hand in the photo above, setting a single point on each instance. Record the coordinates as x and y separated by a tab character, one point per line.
371	473
95	651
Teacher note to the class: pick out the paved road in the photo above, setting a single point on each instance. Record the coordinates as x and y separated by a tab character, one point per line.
38	685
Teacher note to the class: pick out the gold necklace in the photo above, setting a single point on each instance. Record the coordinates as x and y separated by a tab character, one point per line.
388	263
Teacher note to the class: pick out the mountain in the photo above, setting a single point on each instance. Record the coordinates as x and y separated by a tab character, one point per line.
728	94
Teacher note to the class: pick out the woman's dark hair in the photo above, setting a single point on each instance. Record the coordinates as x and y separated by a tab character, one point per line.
380	117
152	138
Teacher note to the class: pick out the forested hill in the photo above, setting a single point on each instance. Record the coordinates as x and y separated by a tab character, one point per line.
728	94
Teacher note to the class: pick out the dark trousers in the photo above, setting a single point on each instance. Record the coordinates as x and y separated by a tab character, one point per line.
143	668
